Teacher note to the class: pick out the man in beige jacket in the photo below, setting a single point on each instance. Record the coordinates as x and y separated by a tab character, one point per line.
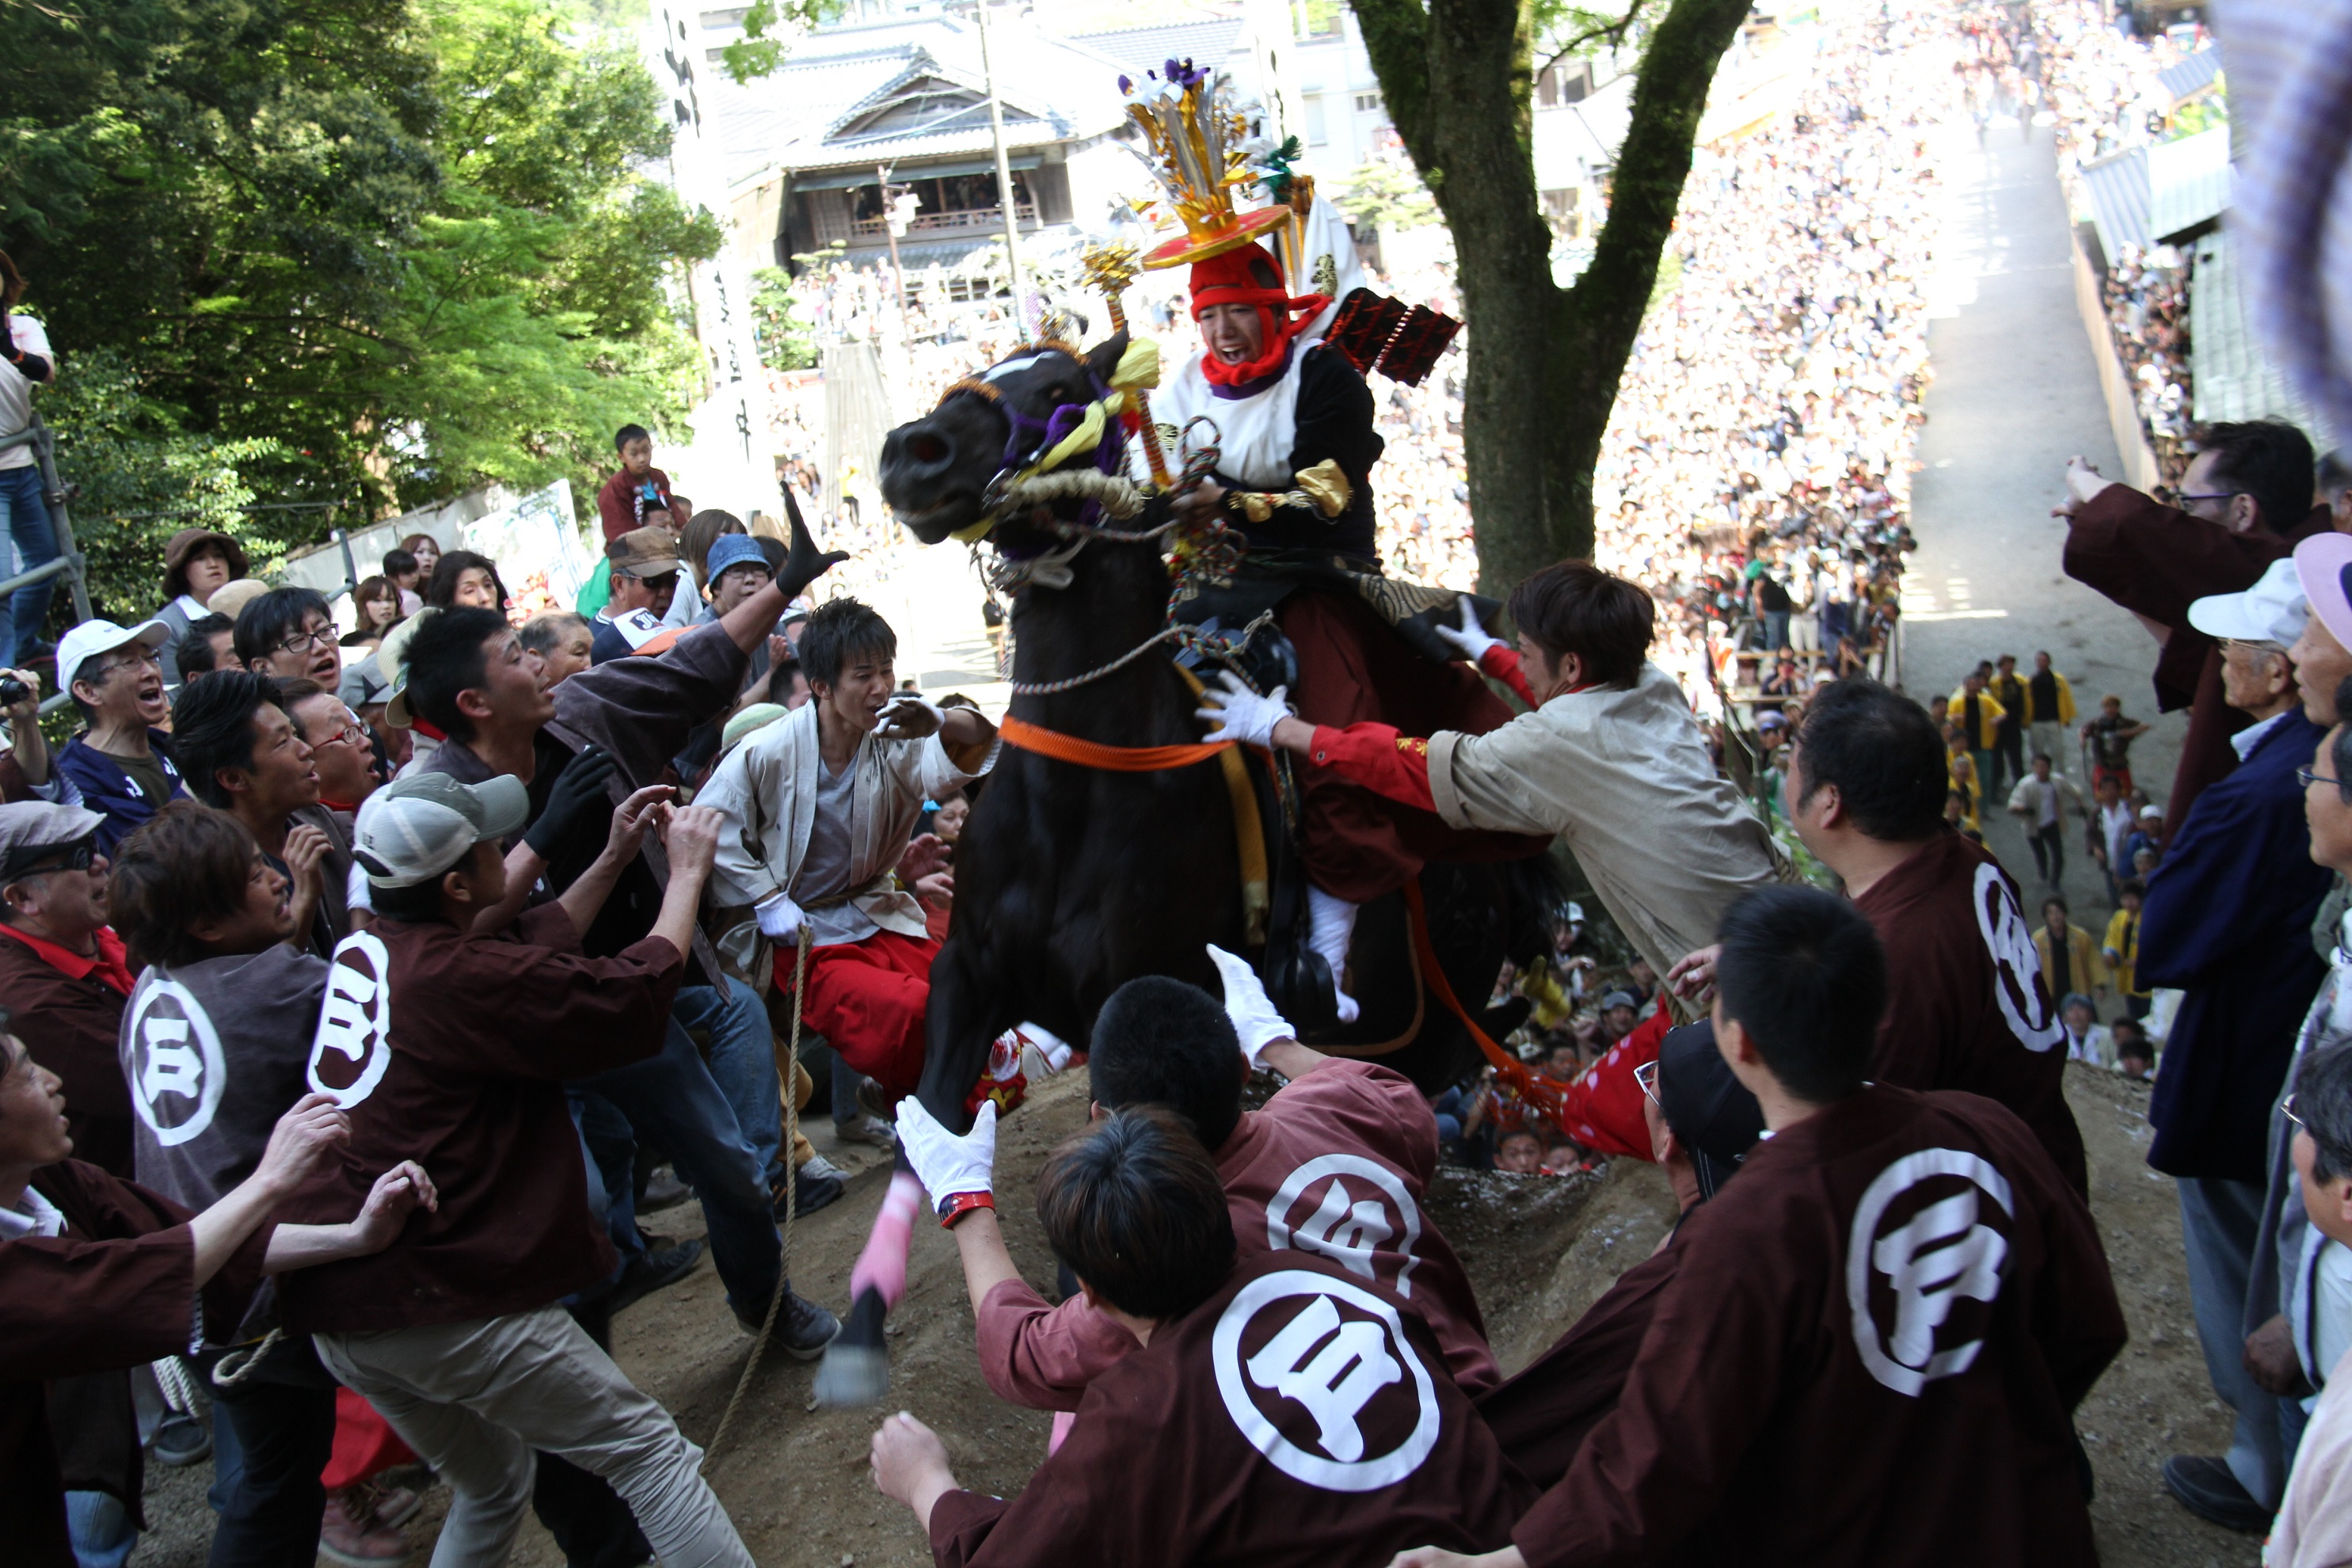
1610	758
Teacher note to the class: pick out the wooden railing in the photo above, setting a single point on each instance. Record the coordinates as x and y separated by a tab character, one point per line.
946	222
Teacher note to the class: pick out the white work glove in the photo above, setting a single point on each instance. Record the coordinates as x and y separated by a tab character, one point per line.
947	1165
1240	714
1255	1019
780	919
1472	641
910	718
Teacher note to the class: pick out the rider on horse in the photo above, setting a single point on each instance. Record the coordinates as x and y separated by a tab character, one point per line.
1295	450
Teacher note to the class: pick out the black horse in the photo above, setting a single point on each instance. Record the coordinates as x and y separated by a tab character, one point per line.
1073	879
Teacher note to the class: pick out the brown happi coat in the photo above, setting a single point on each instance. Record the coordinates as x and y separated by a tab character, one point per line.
1868	1352
1966	1005
451	1049
118	1288
1300	1415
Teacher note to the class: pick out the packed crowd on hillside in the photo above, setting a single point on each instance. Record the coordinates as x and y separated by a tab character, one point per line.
356	984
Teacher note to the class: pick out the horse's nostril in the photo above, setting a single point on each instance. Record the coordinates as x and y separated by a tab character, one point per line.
928	448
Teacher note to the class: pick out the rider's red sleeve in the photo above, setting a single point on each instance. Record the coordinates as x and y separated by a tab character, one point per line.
1377	757
1502	662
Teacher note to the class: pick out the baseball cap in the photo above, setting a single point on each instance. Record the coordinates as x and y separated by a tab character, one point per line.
392	660
643	552
32	830
1712	1114
1575	914
416	828
93	637
2323	563
1772	719
734	550
231	598
2273	610
1620	998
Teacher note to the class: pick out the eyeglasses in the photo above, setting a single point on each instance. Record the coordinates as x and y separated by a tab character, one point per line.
2286	1109
1646	1074
2308	778
143	658
353	733
303	642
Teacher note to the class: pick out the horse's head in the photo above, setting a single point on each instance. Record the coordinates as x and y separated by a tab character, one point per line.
936	470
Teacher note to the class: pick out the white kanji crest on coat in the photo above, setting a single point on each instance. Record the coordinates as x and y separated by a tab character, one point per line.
353	1045
1319	1377
175	1067
1906	1281
1362	1210
2016	966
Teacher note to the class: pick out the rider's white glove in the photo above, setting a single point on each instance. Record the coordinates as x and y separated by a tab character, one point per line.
947	1165
910	718
1255	1019
1240	714
780	919
1472	641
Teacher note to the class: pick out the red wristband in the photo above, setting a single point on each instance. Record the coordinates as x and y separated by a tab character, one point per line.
962	1203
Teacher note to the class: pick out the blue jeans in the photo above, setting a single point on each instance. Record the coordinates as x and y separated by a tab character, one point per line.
742	1057
608	1149
672	1101
270	1444
24	519
101	1529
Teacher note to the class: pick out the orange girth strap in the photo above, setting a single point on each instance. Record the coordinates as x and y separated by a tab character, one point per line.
1542	1093
1108	758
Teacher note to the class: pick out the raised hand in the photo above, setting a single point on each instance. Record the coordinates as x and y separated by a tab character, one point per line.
691	838
947	1165
578	798
1472	641
910	718
645	811
804	562
1247	1005
925	854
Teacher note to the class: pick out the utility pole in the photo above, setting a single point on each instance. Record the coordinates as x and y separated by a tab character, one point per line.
1003	177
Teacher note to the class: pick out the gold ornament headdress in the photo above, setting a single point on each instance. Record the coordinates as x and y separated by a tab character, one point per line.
1196	137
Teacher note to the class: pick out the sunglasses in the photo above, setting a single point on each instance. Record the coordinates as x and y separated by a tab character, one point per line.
75	858
1646	1074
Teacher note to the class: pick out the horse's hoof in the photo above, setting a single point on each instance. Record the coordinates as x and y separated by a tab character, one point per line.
852	1377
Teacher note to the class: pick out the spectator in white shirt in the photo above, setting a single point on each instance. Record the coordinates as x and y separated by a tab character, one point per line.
2039	798
2087	1039
27	361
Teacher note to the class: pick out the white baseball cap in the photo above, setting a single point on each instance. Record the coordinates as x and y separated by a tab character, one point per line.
92	638
415	828
2274	610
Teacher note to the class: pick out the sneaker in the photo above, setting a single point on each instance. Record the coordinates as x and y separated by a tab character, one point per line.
2207	1488
802	1328
864	1129
181	1440
874	1102
650	1271
350	1534
818	1166
817	1187
388	1505
663	1191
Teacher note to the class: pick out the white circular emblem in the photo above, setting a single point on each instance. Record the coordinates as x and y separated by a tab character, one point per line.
176	1069
1905	1285
1319	1375
353	1047
1351	1225
2016	966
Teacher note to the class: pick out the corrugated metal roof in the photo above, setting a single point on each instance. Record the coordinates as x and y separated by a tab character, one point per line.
2148	194
2187	181
2187	78
1141	49
2231	376
1054	90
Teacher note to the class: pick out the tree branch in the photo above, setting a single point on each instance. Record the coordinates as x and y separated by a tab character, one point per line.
1613	31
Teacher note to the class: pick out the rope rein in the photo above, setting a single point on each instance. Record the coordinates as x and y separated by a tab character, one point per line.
1221	648
791	1208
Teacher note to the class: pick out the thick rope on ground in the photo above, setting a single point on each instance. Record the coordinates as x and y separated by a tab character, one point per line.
791	1208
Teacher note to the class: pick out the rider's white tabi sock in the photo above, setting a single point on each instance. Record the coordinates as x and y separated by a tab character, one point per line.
1331	923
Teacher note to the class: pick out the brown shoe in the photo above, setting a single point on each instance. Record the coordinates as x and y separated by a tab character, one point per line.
351	1534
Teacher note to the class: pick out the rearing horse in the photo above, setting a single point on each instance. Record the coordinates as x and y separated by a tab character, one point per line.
1072	880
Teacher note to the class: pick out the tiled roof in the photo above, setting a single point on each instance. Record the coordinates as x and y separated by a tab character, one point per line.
1054	90
1141	49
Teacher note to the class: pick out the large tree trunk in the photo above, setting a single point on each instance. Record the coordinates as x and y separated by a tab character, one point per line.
1544	361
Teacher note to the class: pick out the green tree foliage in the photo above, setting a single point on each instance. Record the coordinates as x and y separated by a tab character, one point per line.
1386	195
786	342
376	252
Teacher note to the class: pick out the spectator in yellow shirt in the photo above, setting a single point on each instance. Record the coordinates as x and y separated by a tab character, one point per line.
1977	714
2122	950
2070	960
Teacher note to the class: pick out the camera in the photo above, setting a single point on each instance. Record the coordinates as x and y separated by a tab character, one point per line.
13	691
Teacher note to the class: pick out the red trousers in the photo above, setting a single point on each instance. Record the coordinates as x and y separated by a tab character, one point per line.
867	999
1353	668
